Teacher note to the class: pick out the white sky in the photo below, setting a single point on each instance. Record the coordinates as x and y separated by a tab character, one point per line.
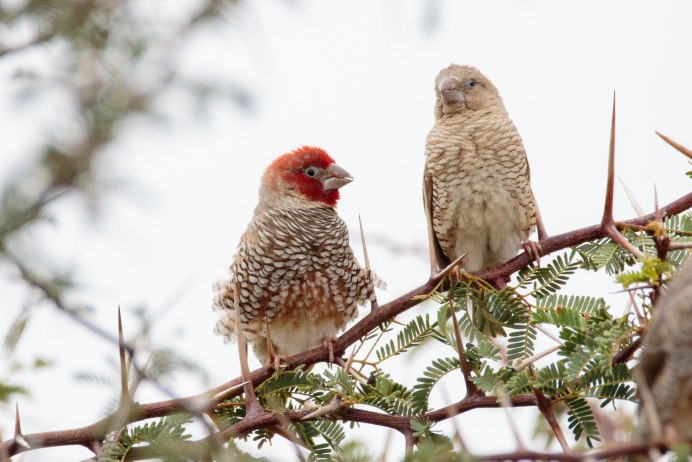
357	79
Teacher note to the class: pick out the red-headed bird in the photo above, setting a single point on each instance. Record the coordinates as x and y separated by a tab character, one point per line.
299	282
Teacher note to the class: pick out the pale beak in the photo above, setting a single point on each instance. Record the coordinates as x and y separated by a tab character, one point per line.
450	91
335	177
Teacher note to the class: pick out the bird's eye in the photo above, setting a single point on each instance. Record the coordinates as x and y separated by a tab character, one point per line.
470	83
311	172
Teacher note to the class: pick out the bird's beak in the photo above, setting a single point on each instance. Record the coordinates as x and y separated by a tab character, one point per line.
450	91
335	177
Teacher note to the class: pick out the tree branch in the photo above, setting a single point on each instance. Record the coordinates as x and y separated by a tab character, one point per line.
207	400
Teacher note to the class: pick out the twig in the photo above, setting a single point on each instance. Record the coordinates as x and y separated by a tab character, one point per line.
680	245
635	307
520	364
549	334
457	431
624	355
546	409
352	372
618	452
471	388
506	404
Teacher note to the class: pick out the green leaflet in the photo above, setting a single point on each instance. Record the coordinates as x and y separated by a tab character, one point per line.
489	311
605	254
387	395
520	383
609	384
488	379
592	346
163	437
581	420
288	382
520	342
433	373
414	333
648	273
566	310
550	278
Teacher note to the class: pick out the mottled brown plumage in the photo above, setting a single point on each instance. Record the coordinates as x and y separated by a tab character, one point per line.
299	282
476	188
665	364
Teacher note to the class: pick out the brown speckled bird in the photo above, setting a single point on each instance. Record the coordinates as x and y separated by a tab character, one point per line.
299	282
476	189
665	364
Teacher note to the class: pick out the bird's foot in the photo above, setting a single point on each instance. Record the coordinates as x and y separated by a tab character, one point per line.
274	361
534	250
454	275
328	343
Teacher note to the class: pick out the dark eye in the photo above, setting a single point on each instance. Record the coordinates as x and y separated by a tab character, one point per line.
470	83
311	172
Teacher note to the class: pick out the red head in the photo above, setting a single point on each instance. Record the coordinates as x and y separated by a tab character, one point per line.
306	173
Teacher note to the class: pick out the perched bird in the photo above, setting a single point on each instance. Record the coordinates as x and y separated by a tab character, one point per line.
477	195
299	283
664	374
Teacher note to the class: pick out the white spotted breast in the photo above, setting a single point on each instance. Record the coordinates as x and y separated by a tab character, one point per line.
295	265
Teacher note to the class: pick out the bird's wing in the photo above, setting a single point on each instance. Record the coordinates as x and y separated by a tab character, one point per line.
528	167
540	227
438	259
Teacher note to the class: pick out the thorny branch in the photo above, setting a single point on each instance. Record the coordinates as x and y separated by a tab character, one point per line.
92	435
207	400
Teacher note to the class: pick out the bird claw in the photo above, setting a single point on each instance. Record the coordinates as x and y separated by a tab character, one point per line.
274	361
328	343
534	250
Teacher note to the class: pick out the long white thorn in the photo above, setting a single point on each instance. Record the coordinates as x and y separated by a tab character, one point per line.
449	267
365	247
549	334
633	201
334	407
373	304
18	436
519	364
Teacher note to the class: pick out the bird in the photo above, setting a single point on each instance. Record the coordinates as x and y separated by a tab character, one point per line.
476	182
298	280
664	372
